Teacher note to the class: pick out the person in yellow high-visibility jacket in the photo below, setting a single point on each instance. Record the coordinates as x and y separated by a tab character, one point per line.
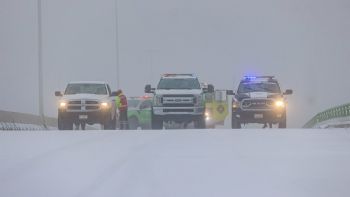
122	105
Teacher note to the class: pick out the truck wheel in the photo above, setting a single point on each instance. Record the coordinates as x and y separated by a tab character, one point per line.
69	125
235	124
110	124
114	123
283	123
83	125
64	124
157	122
200	123
60	124
133	123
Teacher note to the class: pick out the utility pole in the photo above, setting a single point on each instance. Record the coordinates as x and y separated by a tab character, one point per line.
40	66
117	44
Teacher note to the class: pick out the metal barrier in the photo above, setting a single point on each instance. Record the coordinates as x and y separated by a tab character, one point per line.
335	117
22	121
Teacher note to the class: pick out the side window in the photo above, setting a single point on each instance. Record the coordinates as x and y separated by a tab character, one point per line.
109	89
146	105
220	95
208	97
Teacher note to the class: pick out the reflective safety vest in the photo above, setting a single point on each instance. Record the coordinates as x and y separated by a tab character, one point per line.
121	102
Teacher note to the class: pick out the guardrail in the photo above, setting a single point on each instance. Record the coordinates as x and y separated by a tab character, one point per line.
22	121
335	117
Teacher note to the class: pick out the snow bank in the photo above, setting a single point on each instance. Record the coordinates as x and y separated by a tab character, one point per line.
174	163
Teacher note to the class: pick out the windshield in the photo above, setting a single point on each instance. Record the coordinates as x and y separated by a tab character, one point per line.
259	87
179	84
99	89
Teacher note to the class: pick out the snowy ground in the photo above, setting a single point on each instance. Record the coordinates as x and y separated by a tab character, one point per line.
175	163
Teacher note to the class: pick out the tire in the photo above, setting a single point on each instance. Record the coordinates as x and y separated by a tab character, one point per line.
64	124
114	123
210	126
83	125
283	123
235	124
200	123
133	123
105	126
60	124
110	124
157	122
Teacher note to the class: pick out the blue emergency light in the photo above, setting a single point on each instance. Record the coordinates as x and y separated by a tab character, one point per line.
250	77
257	77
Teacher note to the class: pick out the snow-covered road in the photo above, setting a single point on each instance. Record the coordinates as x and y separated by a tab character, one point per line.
175	163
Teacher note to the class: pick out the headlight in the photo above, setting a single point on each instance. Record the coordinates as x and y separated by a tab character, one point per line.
63	104
280	104
207	116
157	100
198	99
104	105
235	105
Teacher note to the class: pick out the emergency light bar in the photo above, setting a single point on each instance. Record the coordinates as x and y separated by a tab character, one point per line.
258	77
174	75
146	97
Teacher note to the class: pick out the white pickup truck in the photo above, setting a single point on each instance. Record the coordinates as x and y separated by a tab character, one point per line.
178	98
86	103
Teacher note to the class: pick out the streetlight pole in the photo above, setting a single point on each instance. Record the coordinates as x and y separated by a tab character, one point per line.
40	66
117	44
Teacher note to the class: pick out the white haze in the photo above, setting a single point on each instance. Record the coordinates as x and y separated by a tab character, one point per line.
305	43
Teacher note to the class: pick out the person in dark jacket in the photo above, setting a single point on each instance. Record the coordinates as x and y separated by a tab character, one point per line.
122	105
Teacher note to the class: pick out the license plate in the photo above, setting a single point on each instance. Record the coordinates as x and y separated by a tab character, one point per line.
258	116
83	117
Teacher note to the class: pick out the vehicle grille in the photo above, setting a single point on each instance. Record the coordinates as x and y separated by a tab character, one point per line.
257	104
178	95
83	105
178	100
92	107
74	102
91	102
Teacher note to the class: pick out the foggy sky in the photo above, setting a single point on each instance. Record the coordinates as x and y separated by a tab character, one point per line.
304	43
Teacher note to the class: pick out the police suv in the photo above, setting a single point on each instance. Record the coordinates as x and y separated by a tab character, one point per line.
178	98
259	99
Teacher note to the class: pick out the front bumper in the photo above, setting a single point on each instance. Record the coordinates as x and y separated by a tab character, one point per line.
90	117
270	116
178	111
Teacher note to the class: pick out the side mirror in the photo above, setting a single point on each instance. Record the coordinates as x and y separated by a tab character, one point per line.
210	88
230	92
114	93
148	89
58	93
288	92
